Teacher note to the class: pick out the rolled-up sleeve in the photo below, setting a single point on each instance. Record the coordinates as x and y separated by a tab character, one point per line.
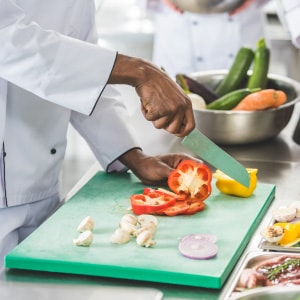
108	131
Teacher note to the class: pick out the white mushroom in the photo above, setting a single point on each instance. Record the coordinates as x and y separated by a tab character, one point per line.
146	219
120	236
285	214
296	204
130	219
84	239
142	227
149	226
86	224
128	227
145	238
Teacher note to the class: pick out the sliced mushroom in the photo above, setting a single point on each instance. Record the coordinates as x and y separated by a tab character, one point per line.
120	236
84	239
86	224
130	219
145	238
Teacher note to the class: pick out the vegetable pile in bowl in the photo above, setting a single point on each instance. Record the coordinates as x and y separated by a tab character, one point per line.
244	104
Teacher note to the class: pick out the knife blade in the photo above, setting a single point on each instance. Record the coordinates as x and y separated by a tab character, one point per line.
207	150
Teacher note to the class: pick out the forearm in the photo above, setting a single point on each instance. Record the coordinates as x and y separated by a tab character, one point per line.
131	158
132	71
162	101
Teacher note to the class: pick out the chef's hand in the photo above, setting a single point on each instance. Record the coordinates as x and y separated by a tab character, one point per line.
153	170
162	101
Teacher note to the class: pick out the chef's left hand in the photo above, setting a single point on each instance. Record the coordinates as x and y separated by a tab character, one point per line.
153	170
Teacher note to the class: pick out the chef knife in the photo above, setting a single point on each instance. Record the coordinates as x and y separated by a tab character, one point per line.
207	150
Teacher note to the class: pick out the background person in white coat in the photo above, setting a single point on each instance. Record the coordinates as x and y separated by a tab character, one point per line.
289	14
52	73
186	42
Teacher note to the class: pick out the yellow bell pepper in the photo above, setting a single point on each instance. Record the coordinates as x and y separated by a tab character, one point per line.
291	233
229	186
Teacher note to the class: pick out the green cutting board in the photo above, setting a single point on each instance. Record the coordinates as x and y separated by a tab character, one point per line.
106	198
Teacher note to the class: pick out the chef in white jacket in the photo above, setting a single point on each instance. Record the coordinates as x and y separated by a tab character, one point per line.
289	13
52	73
186	42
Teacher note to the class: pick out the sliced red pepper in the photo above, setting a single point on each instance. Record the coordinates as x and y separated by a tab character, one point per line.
148	190
191	179
151	202
190	185
178	208
195	207
162	191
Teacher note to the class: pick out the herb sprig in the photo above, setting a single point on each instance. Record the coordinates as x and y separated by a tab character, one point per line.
273	272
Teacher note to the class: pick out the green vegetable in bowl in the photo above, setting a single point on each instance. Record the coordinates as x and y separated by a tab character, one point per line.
230	100
237	73
259	77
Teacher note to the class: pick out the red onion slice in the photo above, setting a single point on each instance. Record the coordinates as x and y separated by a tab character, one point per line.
201	237
197	248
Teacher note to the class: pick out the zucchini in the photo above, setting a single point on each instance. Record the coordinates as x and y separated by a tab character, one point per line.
237	72
259	77
230	100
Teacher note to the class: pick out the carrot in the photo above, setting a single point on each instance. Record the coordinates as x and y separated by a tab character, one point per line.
263	99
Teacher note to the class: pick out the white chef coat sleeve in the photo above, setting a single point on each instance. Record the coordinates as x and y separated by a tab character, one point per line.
108	130
291	16
60	69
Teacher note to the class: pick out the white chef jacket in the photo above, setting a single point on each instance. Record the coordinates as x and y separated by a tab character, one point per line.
51	74
290	17
191	42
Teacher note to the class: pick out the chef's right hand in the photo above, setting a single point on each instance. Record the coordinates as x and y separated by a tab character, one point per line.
162	101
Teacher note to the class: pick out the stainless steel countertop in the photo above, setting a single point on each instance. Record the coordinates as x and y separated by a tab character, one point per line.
278	161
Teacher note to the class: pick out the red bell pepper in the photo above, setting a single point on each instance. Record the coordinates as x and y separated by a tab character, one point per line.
195	207
150	202
190	185
191	179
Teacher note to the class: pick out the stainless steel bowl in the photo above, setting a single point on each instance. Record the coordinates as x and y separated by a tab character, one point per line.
244	127
207	6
